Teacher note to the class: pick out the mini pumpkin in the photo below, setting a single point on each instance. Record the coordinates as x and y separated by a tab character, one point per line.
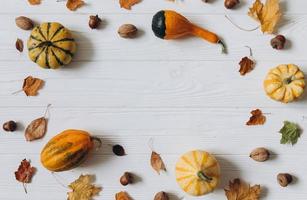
67	150
284	83
51	45
197	172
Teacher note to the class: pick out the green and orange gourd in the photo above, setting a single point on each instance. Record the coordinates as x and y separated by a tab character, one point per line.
67	150
168	24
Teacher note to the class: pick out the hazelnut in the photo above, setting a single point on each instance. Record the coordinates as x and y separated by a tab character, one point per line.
229	4
278	42
260	154
94	22
126	179
24	23
284	179
161	196
127	31
10	126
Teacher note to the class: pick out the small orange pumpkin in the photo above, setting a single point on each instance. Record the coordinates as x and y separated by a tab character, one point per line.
67	150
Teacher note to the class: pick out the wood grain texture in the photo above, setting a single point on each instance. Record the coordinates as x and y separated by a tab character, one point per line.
182	95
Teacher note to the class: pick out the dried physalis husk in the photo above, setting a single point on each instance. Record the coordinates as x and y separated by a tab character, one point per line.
157	162
73	5
127	4
19	45
122	196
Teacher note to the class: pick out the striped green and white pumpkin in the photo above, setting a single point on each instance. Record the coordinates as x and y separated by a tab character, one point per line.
51	45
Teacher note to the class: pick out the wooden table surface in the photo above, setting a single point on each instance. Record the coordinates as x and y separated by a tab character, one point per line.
182	95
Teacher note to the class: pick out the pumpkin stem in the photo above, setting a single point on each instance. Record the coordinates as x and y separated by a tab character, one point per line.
288	80
98	140
203	176
224	48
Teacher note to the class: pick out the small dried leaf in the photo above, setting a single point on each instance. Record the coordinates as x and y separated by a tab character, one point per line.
31	85
19	45
127	4
83	189
118	150
25	172
246	65
267	14
36	129
157	162
34	2
257	118
122	196
73	5
238	190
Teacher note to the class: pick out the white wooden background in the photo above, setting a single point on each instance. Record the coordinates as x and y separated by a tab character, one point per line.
183	94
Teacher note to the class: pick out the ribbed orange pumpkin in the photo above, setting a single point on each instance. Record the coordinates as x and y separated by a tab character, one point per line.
67	150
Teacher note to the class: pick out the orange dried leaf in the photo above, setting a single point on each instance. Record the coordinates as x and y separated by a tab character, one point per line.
24	173
127	4
157	162
238	190
31	85
246	65
73	5
34	2
257	118
122	196
36	129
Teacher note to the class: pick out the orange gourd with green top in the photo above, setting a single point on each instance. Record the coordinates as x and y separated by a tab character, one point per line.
168	24
67	150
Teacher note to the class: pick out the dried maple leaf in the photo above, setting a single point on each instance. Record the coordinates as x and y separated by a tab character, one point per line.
238	190
36	129
257	118
83	189
267	14
157	162
122	196
24	173
19	45
31	85
73	5
127	4
246	65
34	2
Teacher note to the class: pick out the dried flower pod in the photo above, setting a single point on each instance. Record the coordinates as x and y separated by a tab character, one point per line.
229	4
161	196
126	179
94	22
278	42
127	31
284	179
10	126
260	154
24	23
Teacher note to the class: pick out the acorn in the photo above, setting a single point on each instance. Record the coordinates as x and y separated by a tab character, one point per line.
229	4
10	126
94	22
278	42
126	179
284	179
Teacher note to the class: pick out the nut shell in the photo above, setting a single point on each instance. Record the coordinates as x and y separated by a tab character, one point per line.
24	23
260	154
127	31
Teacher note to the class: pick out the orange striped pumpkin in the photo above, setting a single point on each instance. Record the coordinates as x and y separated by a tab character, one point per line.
197	172
67	150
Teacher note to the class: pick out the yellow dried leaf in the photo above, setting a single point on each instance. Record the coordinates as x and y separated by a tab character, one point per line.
157	162
83	189
267	14
31	85
257	118
127	4
238	190
73	5
34	2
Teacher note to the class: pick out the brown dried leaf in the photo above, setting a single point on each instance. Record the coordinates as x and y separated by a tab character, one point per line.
73	5
127	4
31	85
246	65
267	14
36	129
257	118
24	173
34	2
83	189
19	45
157	162
238	190
122	196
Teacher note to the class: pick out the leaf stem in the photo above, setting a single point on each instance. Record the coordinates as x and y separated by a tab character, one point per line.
239	27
